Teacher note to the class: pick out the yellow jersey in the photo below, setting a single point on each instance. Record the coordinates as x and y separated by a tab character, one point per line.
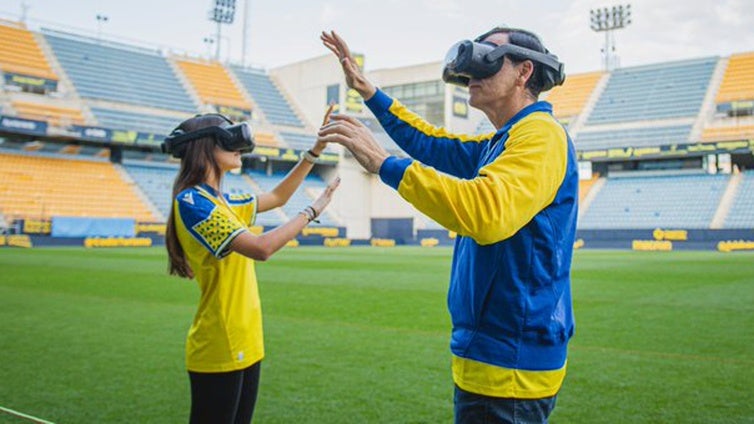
226	334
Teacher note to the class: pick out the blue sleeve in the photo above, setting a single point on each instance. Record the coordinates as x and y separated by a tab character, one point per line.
212	226
392	170
457	155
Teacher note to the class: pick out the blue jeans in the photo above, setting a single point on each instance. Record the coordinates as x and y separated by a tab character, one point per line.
471	408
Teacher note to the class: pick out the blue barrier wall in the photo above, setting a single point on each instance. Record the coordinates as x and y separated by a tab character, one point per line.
69	226
680	238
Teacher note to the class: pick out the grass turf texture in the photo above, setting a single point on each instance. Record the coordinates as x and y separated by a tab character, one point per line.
361	334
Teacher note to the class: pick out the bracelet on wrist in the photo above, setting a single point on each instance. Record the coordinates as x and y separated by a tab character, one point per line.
310	213
310	156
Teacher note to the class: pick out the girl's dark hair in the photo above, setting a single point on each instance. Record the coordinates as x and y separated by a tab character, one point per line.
198	162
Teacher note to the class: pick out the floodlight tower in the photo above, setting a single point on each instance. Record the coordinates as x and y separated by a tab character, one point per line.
24	10
222	12
608	20
101	19
245	31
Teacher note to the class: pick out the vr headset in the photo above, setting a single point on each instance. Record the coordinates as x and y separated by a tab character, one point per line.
467	60
232	138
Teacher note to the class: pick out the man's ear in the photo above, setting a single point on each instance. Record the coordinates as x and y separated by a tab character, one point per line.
526	71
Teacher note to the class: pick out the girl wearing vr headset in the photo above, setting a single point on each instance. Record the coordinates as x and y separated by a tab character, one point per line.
208	239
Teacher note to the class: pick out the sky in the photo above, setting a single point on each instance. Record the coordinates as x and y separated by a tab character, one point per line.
395	33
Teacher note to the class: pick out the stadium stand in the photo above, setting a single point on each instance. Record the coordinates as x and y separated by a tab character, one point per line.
156	182
735	102
212	83
737	80
54	115
134	75
300	198
41	187
298	141
20	53
658	91
655	201
267	139
644	106
741	214
569	99
637	137
267	96
585	186
121	119
728	133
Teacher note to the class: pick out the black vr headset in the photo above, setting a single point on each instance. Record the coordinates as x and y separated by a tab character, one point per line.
232	138
477	59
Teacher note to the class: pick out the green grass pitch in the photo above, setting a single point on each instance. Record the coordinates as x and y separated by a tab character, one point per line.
360	335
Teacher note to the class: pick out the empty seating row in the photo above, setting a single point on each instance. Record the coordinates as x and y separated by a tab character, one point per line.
20	53
298	141
738	80
300	198
666	90
267	96
54	115
679	201
119	73
266	139
212	83
156	182
134	121
636	137
569	99
741	213
585	186
728	133
42	187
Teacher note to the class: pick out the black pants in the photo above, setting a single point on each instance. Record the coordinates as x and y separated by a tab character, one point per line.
225	397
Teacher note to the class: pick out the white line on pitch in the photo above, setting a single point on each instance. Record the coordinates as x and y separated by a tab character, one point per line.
22	415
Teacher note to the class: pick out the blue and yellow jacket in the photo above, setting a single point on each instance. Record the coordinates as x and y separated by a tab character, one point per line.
512	197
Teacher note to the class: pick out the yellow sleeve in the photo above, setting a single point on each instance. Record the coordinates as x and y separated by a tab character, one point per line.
505	195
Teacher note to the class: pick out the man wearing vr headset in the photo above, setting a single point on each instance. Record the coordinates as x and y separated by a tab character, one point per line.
208	238
512	198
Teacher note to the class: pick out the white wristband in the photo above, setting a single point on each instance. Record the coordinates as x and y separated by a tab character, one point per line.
309	157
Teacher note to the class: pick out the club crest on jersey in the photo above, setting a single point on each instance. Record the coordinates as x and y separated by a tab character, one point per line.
188	198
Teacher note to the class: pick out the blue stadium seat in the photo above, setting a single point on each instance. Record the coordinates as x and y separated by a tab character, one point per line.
679	201
298	141
659	91
118	72
156	181
118	119
267	96
637	137
741	214
300	198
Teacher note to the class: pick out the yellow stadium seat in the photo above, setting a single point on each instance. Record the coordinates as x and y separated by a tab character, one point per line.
728	133
212	83
42	187
55	115
738	80
20	53
569	99
267	139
